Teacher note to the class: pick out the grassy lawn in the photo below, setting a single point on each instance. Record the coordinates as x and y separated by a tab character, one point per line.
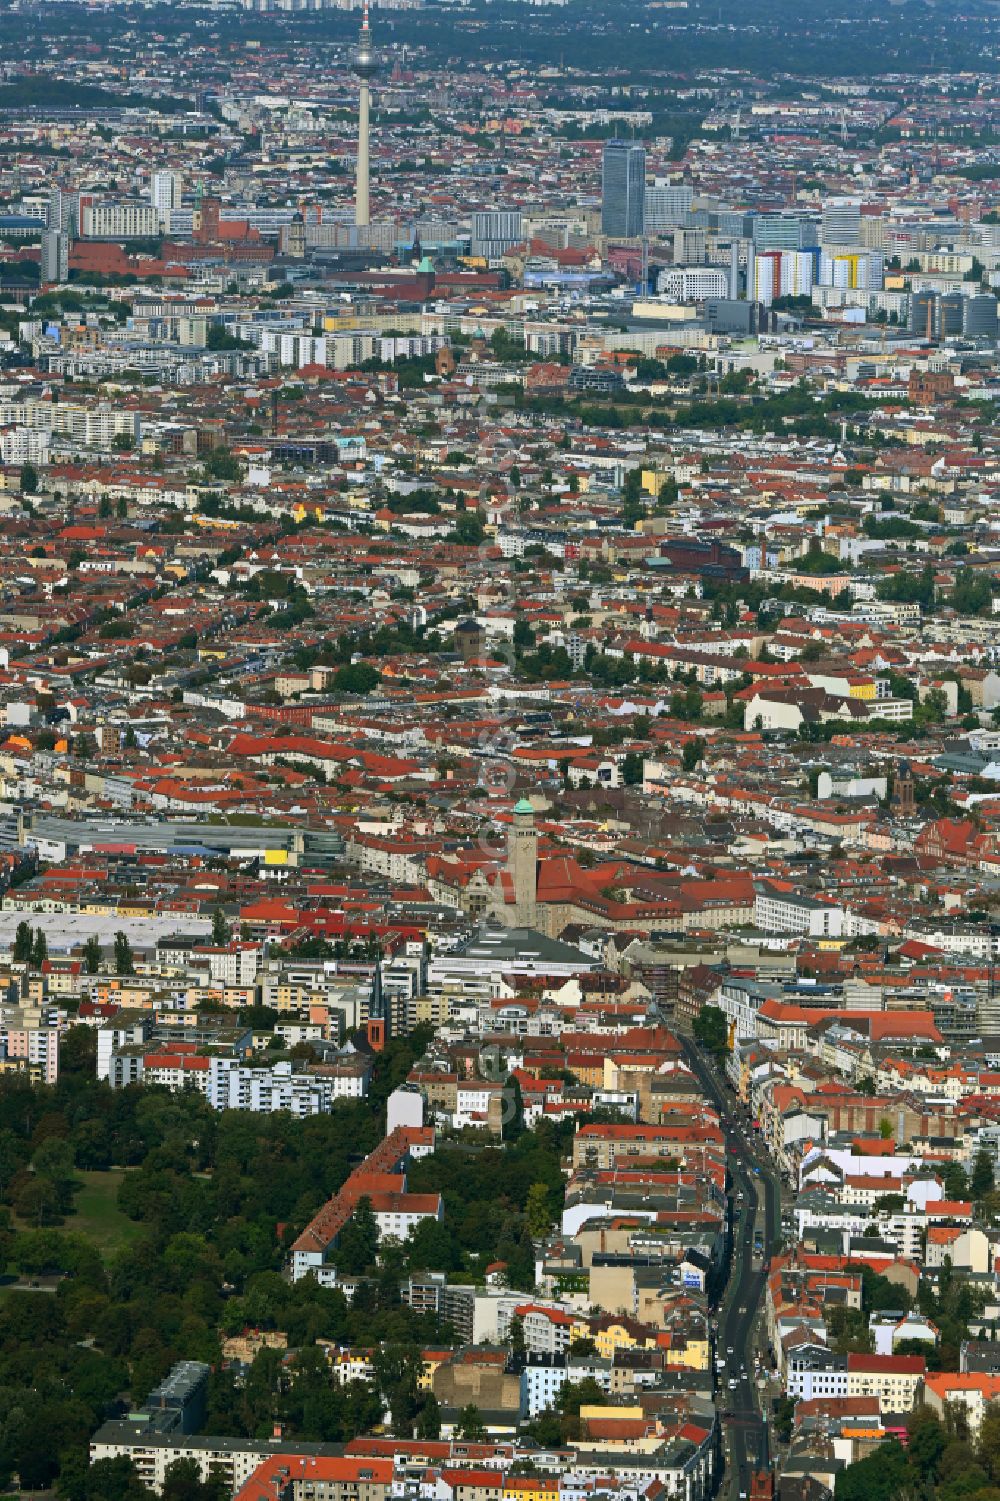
96	1214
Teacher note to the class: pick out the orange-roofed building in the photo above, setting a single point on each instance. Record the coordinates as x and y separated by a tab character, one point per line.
972	1392
322	1477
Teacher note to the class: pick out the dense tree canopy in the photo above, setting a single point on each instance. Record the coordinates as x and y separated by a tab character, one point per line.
206	1207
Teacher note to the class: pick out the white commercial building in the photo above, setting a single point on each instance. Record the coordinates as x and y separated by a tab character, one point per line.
692	283
119	221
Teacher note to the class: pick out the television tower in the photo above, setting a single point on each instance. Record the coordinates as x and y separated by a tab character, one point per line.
365	65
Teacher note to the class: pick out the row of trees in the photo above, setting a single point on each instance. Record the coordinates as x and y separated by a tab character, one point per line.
711	1030
30	947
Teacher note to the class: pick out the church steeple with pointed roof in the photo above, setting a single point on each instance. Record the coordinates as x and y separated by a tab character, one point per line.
377	1029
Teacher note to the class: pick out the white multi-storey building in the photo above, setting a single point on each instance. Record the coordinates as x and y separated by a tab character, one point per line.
782	273
792	912
92	426
128	220
692	283
234	1085
165	195
22	446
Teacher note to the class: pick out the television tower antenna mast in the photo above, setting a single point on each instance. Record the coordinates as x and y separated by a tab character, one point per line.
365	65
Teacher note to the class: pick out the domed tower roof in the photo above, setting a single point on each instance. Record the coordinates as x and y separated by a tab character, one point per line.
364	61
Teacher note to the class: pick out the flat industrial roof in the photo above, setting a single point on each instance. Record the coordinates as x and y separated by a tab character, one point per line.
166	836
66	930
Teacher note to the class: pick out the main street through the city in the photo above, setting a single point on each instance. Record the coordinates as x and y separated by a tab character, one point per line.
755	1206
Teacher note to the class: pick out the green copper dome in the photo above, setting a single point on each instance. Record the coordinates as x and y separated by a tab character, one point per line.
523	806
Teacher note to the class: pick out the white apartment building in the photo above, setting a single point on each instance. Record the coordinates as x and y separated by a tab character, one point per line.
348	1365
813	1372
231	964
542	1380
176	1071
741	1000
397	1215
128	220
233	1085
788	912
782	273
851	270
540	1386
547	1331
396	859
22	446
473	1102
297	348
894	1379
233	1460
91	426
165	190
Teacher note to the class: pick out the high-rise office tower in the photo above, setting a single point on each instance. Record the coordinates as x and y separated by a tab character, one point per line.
165	194
841	222
54	265
951	315
938	315
623	190
690	246
365	65
63	212
979	317
55	257
923	314
779	231
666	206
494	231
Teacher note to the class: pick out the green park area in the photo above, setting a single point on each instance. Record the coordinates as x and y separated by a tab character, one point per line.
96	1214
